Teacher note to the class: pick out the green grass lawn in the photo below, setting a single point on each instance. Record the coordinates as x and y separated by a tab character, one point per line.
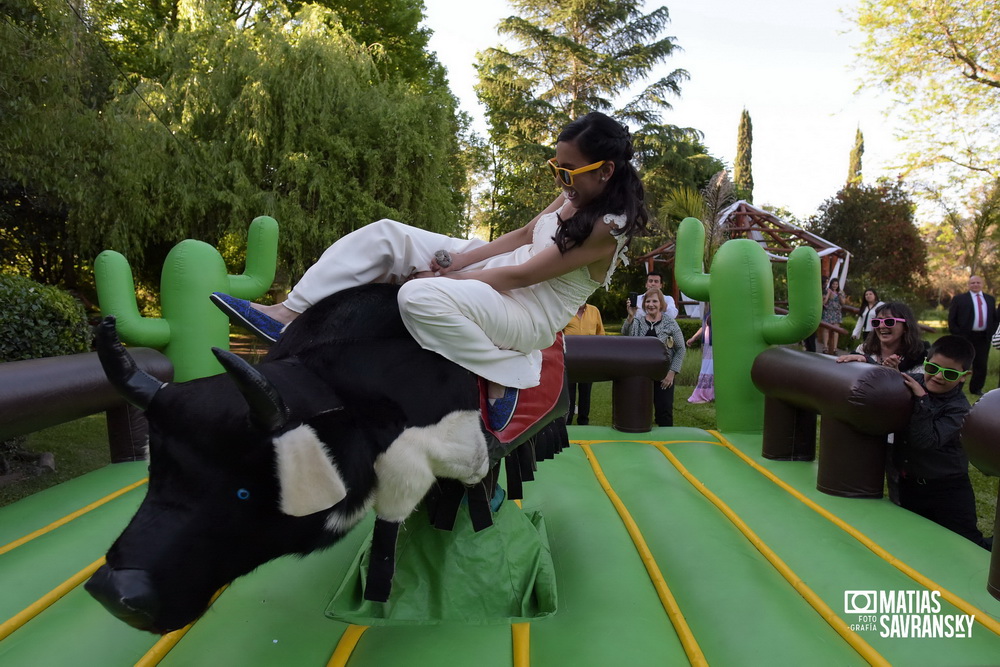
79	447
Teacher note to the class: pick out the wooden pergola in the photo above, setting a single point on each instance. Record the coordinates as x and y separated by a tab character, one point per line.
776	237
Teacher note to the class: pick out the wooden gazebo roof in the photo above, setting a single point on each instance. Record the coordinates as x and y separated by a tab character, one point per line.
776	237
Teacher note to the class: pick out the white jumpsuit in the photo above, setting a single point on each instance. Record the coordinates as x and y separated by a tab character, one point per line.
496	335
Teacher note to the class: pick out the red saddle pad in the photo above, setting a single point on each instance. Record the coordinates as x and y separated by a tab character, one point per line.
533	403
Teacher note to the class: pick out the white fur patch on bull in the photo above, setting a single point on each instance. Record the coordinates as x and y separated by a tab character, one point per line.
340	523
309	480
454	448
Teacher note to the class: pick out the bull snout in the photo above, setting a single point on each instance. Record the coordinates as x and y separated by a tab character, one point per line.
128	594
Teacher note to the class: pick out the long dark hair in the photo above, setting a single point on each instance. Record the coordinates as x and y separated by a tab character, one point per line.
911	345
600	137
864	301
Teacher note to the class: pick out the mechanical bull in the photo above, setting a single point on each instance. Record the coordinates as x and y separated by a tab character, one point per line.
346	413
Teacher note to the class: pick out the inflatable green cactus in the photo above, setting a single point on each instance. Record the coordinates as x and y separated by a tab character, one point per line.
740	289
190	325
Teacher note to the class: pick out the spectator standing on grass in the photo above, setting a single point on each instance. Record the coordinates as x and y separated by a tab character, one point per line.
654	280
659	325
894	340
933	468
586	322
973	316
704	392
869	305
833	314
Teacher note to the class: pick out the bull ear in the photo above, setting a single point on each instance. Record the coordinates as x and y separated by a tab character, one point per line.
135	385
309	480
267	410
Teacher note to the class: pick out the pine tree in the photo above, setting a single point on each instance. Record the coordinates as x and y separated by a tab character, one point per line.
579	56
742	170
575	57
854	170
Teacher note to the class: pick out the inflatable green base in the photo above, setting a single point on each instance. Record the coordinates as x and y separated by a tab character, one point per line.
738	607
501	575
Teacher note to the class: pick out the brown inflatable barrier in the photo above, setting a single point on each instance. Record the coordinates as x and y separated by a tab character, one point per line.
630	364
39	393
981	439
860	405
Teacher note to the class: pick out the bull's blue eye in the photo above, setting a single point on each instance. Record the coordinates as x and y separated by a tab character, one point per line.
243	494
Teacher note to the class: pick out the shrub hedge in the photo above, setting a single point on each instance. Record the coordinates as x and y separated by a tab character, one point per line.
688	326
39	321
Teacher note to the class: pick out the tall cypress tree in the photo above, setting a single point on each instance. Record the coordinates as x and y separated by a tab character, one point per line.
742	170
854	170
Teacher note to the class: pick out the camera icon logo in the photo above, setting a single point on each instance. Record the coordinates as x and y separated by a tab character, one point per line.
860	602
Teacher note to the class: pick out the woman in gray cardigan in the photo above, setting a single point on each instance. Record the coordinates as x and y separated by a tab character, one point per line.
657	323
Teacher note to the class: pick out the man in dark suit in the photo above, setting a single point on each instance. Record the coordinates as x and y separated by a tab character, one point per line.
973	316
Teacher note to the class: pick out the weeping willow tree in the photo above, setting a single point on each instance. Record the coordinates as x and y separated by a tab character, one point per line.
227	117
55	138
296	123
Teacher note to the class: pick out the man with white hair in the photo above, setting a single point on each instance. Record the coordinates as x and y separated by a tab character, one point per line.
973	316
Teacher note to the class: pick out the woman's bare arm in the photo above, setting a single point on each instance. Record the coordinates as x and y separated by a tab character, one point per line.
505	243
548	264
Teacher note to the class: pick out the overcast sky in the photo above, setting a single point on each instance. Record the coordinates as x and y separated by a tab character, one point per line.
788	62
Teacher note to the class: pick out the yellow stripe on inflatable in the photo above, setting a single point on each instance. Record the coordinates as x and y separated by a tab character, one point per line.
345	647
69	517
520	634
647	442
688	642
863	648
47	600
160	649
980	616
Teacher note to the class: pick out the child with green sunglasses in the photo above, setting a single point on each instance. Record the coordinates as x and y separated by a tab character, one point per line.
933	468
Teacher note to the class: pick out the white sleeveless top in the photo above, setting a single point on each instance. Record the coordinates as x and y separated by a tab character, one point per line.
556	301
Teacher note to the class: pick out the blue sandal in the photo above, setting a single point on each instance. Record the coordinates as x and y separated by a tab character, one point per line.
241	313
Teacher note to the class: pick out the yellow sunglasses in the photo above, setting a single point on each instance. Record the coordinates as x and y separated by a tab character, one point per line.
565	176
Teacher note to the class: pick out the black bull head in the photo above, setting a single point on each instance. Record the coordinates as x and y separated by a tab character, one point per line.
346	413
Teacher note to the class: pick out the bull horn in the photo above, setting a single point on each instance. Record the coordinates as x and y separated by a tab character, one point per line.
135	385
267	410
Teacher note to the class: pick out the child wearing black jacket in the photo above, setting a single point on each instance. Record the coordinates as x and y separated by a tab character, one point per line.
933	468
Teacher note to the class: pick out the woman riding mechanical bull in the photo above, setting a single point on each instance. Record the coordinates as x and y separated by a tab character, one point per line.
490	307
